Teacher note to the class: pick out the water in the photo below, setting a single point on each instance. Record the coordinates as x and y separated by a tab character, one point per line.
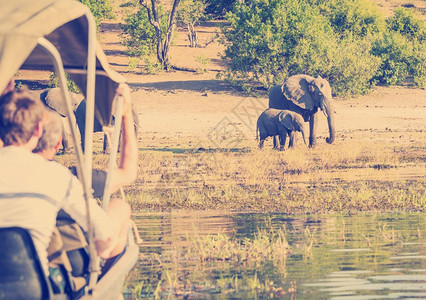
367	256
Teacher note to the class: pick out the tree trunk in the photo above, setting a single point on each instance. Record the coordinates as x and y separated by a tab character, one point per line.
192	35
163	47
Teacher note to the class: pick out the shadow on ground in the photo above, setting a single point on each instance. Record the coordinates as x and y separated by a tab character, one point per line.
189	85
197	150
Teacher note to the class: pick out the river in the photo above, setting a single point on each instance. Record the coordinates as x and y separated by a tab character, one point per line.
240	255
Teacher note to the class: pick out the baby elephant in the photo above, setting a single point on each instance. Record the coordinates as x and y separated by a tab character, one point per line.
274	122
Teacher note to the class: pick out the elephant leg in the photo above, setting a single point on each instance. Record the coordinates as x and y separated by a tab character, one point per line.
291	137
274	138
313	124
282	141
105	145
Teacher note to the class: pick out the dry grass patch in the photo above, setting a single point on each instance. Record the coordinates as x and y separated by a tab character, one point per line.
342	176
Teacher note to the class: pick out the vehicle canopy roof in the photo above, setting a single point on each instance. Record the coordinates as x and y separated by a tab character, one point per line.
64	24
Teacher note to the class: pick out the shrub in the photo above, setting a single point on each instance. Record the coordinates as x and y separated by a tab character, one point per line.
190	12
254	40
268	41
352	67
139	34
152	66
133	63
101	9
356	17
402	58
402	50
405	22
219	8
72	87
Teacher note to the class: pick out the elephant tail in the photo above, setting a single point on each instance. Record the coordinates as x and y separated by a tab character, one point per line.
257	131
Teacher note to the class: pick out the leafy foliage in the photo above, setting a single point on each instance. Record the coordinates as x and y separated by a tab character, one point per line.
401	58
357	17
271	40
348	42
54	82
101	9
190	12
219	8
402	50
406	23
139	35
151	27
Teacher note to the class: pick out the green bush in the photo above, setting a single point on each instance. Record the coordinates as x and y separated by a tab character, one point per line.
253	42
405	22
54	82
139	34
101	9
268	41
218	8
356	17
191	11
352	67
402	58
402	50
348	42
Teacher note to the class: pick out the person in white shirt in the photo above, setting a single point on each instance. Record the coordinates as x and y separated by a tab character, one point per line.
125	173
49	144
33	189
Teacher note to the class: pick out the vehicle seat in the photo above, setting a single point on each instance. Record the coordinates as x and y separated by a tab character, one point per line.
21	272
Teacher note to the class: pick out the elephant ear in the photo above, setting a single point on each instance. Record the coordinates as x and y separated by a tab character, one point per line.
297	89
286	120
53	99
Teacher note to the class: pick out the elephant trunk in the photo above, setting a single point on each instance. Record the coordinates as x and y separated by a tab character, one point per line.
329	112
303	136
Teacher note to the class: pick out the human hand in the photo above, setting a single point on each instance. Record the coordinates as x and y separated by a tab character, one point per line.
123	90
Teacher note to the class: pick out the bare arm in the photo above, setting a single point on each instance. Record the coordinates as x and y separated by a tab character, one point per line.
118	210
127	168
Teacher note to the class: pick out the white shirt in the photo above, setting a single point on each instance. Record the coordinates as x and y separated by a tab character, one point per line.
33	189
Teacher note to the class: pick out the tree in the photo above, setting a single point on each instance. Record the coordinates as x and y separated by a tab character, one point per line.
190	12
101	9
269	40
164	38
139	35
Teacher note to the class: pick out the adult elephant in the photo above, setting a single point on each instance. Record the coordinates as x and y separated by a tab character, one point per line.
80	116
304	94
52	98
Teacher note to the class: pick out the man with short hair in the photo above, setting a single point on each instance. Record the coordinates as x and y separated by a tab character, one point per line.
33	189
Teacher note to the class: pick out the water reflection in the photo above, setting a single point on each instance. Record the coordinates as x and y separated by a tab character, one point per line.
370	256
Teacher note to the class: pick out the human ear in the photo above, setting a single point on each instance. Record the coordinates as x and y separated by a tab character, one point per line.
39	130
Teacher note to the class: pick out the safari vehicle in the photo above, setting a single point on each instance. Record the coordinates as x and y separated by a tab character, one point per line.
60	36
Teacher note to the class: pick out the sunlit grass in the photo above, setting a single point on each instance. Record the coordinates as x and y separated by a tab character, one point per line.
267	244
342	176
